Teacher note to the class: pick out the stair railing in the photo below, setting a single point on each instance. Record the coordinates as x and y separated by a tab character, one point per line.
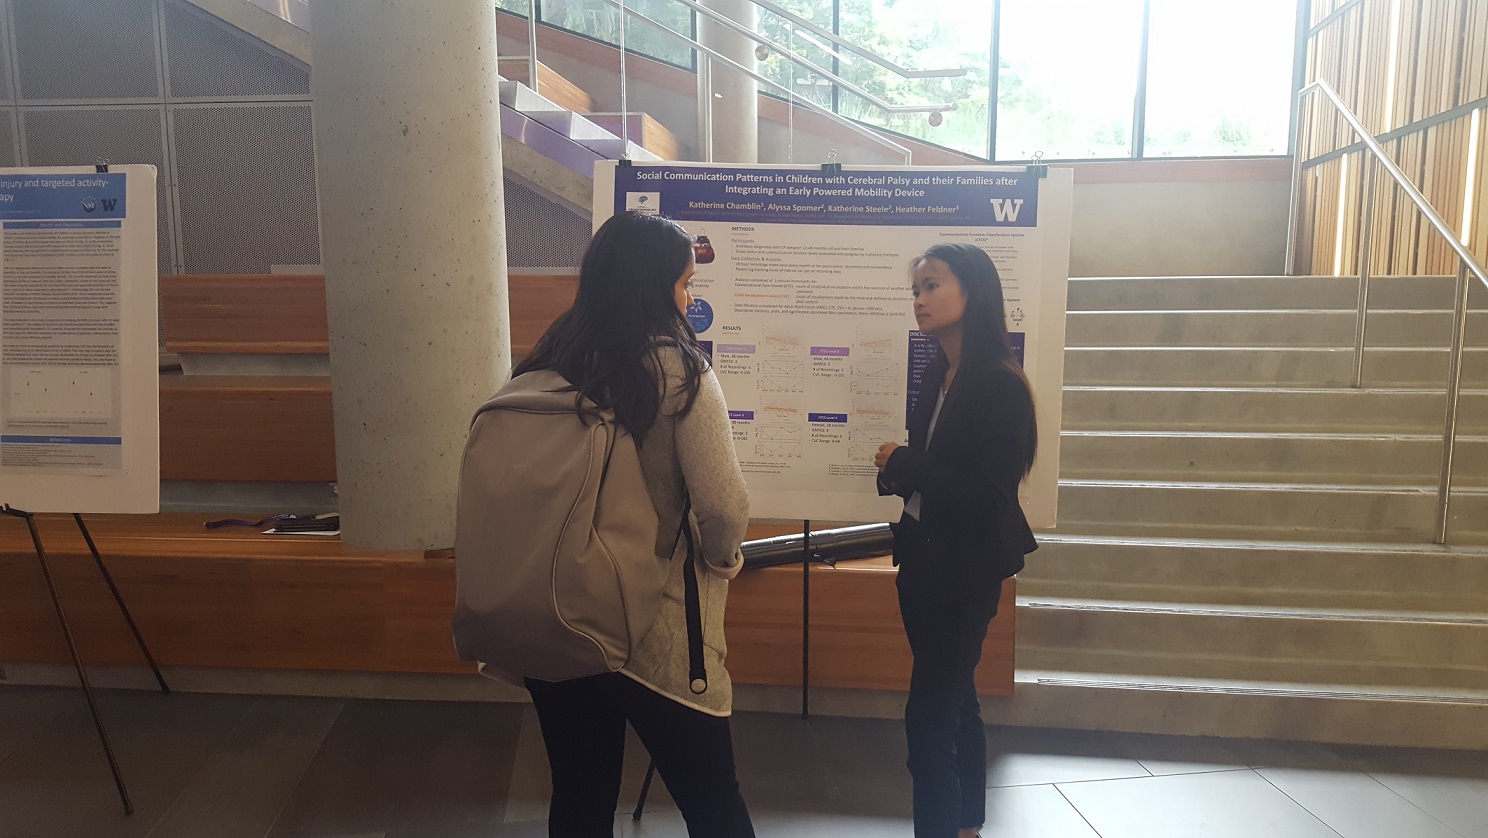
725	60
705	73
1467	267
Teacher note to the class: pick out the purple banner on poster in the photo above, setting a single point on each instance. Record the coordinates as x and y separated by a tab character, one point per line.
1016	339
923	350
909	197
830	351
736	348
746	415
834	418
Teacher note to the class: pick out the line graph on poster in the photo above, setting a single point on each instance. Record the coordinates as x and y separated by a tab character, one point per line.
782	344
780	409
779	433
783	383
777	449
878	345
34	393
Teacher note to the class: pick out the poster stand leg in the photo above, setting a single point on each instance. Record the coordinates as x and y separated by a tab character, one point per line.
119	598
645	791
806	620
77	660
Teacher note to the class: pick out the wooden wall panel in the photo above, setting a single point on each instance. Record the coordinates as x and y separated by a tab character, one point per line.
255	428
244	314
1400	72
536	301
287	314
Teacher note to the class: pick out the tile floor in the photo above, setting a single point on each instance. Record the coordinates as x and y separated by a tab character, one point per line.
212	765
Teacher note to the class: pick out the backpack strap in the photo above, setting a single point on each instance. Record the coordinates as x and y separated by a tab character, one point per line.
697	673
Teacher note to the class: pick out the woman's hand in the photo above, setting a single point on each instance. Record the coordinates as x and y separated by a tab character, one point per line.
885	451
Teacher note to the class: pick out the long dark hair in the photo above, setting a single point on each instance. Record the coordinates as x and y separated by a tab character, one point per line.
607	345
984	334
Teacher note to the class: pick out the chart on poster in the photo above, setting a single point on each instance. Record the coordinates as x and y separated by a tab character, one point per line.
79	374
802	300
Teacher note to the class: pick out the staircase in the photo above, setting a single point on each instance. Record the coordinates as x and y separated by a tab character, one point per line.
1245	541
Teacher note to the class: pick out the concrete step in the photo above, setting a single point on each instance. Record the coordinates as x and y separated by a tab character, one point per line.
1367	459
1306	710
519	96
1277	511
614	148
1388	648
1263	327
1209	293
1293	574
570	125
1229	366
1256	409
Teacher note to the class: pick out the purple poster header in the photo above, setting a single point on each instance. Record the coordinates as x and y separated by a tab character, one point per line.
909	197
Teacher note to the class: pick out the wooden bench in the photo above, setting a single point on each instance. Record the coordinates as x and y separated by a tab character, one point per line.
235	598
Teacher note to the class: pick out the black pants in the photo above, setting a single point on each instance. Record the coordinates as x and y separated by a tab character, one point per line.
946	621
583	726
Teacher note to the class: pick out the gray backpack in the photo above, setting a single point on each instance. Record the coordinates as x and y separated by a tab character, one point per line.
556	570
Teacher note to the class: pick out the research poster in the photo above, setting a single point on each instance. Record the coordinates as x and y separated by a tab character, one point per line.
79	371
803	302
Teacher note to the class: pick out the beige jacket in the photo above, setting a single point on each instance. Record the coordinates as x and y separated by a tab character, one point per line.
693	454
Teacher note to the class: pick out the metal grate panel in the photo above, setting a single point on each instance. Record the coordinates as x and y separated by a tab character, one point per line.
8	155
7	90
86	50
541	233
78	136
209	61
246	187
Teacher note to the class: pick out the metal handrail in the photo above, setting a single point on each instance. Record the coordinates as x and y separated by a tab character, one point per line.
785	52
872	56
1467	266
723	59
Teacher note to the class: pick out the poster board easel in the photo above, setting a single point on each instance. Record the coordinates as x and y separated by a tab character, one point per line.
79	379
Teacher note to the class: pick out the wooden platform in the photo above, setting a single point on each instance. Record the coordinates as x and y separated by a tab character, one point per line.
238	599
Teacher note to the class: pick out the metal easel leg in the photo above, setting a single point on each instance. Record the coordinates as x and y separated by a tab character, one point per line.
77	660
119	598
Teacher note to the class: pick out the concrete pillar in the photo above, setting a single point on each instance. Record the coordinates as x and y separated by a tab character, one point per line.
736	96
413	240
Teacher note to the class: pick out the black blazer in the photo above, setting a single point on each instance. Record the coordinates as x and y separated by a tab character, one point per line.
970	521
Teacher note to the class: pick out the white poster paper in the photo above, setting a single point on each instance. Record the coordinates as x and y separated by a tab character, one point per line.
79	372
802	300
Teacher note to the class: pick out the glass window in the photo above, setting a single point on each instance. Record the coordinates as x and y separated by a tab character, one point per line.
927	35
1067	79
1216	96
805	83
601	21
516	7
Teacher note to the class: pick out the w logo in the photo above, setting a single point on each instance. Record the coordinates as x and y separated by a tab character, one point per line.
110	203
1007	209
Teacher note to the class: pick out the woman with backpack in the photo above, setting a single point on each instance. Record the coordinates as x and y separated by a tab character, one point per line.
626	345
972	438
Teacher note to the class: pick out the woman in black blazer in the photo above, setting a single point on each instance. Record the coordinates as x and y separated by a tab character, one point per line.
972	439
